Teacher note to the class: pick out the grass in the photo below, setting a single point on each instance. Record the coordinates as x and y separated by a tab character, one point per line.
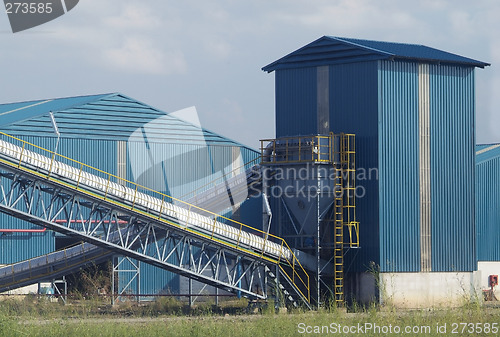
168	317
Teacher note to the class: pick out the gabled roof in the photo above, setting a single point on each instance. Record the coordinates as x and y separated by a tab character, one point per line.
485	152
107	116
335	50
17	112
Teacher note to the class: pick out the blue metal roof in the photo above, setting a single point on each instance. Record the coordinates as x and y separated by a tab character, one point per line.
335	50
16	112
106	116
485	152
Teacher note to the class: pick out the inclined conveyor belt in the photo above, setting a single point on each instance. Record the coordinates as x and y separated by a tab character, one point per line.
143	202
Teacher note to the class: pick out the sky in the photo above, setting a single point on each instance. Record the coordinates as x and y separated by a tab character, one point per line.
209	54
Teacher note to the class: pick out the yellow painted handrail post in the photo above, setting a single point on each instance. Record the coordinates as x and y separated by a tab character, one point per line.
213	227
286	149
51	164
189	215
308	289
357	234
21	156
274	151
262	150
299	150
107	186
79	176
281	250
161	206
312	149
266	237
135	196
239	235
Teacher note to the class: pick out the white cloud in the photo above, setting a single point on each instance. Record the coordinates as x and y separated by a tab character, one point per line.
217	47
133	16
139	55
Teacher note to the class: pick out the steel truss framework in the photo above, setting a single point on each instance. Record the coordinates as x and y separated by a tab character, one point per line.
72	212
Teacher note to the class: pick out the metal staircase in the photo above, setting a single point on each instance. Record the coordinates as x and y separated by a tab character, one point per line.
125	218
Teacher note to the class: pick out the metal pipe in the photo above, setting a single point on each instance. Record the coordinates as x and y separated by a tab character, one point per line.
7	230
120	222
266	155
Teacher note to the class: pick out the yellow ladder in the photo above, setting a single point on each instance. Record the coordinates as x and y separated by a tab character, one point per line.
348	154
343	146
338	158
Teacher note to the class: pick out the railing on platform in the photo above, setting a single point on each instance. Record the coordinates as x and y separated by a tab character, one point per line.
296	149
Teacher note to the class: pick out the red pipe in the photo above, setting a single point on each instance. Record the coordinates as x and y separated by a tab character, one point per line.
120	222
5	230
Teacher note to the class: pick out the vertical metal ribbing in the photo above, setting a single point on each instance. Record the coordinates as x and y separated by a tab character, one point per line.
121	160
323	100
424	167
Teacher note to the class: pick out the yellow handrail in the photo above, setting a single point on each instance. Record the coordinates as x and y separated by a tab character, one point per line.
315	151
282	258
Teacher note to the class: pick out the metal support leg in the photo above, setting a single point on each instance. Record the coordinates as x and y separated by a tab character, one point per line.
190	293
138	291
217	296
113	280
277	300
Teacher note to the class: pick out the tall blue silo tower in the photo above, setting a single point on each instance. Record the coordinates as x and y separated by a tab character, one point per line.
412	110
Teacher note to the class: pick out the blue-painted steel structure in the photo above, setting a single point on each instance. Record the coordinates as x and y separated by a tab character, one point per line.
125	137
487	186
412	109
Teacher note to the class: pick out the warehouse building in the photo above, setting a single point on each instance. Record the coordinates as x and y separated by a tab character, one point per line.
488	215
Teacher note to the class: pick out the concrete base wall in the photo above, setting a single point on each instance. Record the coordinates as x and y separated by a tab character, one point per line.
422	290
31	289
416	290
485	269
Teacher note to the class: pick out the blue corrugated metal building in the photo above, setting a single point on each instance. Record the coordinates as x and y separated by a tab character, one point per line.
125	137
412	109
487	202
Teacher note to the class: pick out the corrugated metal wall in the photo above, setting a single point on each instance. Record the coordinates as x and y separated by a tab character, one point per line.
296	102
399	167
353	109
15	247
487	210
452	109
